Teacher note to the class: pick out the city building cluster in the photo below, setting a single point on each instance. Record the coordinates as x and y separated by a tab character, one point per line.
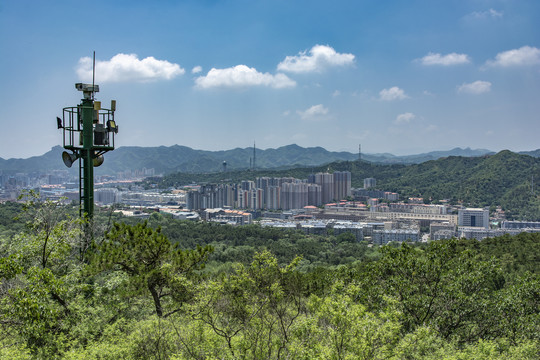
284	193
58	184
324	204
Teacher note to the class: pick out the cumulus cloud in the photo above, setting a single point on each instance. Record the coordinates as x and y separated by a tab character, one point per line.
394	93
317	59
477	87
128	67
523	56
404	118
242	76
197	69
445	60
316	112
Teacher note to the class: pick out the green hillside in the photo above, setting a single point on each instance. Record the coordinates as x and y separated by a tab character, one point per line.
502	179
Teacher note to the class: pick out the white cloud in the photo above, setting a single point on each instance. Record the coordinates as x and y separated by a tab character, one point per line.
491	13
128	67
316	112
477	87
445	60
394	93
319	58
197	69
242	76
336	93
523	56
404	118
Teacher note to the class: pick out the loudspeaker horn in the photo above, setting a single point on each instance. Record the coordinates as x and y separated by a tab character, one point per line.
68	158
98	160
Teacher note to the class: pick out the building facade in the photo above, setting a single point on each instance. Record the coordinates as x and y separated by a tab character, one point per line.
471	217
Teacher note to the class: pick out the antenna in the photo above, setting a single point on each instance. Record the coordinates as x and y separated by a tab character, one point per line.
93	73
359	152
254	155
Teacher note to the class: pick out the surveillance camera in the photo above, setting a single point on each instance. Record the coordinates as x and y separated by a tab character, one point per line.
87	87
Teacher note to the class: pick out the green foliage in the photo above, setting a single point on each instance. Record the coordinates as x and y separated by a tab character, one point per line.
340	328
36	309
151	262
451	290
451	299
516	254
517	309
10	224
239	243
254	308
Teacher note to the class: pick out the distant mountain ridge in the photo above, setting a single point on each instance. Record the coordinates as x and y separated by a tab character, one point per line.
177	158
504	179
420	158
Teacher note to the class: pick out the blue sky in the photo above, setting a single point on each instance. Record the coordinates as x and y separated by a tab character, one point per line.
402	77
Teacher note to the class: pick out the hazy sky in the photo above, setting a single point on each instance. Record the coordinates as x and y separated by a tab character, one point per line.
395	76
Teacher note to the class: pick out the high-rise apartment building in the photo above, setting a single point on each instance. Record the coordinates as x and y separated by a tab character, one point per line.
342	184
256	199
107	196
314	195
273	197
370	183
326	182
247	184
294	195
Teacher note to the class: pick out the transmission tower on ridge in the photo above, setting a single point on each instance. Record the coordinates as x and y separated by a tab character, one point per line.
254	156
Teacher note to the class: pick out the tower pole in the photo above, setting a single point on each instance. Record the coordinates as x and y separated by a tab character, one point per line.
87	114
254	155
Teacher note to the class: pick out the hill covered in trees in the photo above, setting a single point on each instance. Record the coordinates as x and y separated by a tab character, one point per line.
504	179
140	290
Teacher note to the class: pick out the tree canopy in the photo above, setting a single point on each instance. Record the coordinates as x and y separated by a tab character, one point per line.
137	294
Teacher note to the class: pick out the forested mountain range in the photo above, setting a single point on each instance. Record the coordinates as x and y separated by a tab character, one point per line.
504	179
184	159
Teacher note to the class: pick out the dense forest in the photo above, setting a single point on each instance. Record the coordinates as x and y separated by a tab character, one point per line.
167	289
505	179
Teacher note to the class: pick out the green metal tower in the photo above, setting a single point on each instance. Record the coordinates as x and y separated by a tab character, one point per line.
88	133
